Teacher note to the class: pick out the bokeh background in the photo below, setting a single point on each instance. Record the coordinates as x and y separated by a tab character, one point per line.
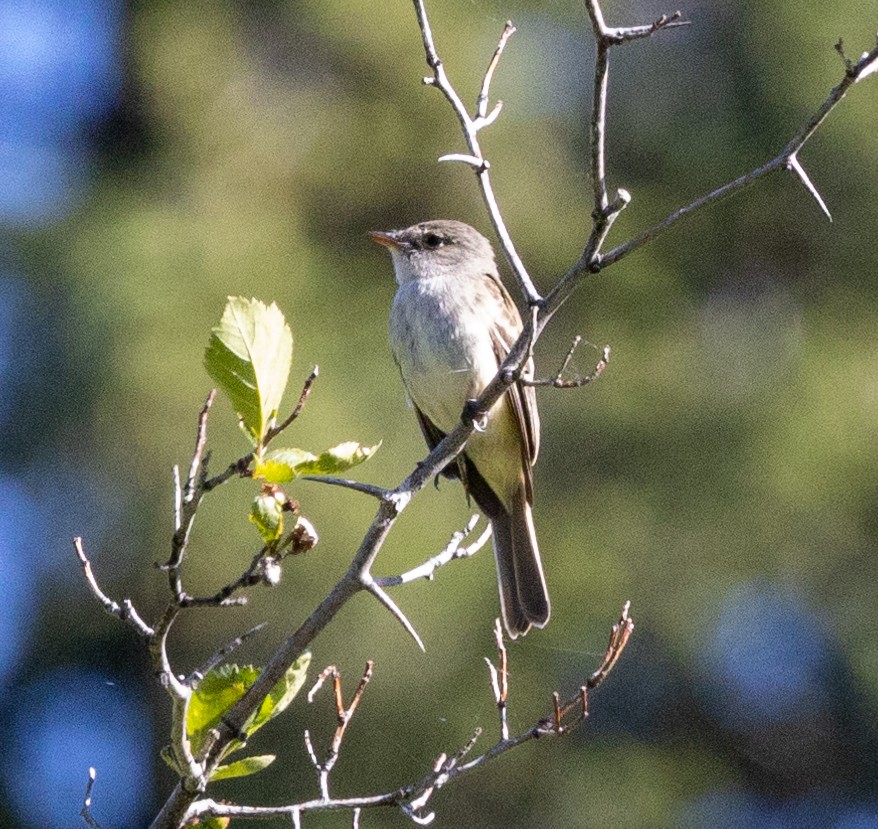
156	157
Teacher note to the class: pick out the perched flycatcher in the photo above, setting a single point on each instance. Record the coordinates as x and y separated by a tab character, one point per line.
451	326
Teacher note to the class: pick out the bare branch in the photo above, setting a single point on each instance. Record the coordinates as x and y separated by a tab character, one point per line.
413	799
452	551
125	611
86	814
865	66
558	381
471	127
343	717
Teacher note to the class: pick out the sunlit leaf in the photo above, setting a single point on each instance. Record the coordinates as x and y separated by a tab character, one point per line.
243	768
282	694
216	693
223	687
279	466
266	513
248	357
337	459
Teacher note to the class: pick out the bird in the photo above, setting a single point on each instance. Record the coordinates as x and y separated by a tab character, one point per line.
452	323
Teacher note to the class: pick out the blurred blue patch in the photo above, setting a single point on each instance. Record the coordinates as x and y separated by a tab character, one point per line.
19	537
766	661
743	810
92	504
14	359
64	722
59	72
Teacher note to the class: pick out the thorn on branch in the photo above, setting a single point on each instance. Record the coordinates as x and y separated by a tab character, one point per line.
199	673
848	63
375	589
795	166
368	489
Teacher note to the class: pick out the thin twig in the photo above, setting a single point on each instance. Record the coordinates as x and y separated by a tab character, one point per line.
482	117
558	381
619	636
413	799
303	399
125	611
865	66
343	718
241	467
500	680
471	127
452	551
86	814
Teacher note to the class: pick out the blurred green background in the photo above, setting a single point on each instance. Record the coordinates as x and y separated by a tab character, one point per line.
722	475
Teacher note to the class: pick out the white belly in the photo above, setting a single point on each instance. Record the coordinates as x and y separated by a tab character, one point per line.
446	357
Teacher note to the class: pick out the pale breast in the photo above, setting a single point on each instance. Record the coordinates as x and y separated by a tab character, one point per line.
443	349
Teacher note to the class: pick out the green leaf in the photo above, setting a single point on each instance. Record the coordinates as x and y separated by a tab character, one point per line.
279	466
266	513
337	459
243	768
222	687
213	822
283	693
249	357
216	693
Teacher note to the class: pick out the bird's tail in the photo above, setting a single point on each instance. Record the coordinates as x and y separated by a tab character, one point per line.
524	599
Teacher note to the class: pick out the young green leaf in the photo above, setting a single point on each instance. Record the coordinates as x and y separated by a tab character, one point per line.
223	687
266	513
283	465
249	357
213	822
243	768
283	693
279	466
216	693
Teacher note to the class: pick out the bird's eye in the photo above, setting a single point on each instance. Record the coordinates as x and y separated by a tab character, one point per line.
433	241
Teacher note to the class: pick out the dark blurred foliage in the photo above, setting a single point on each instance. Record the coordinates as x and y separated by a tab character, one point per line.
722	475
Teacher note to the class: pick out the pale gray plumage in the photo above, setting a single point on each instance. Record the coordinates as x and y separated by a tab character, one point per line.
451	325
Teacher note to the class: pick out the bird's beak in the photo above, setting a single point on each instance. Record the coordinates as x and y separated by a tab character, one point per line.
386	238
